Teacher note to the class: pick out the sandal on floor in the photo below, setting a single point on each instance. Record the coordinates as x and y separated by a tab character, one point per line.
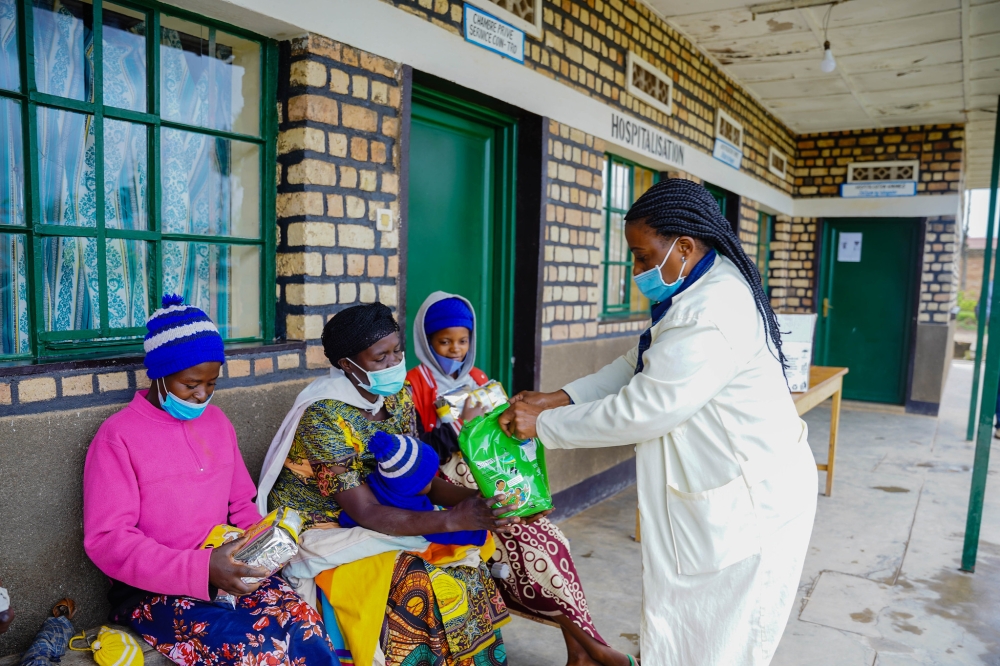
631	659
65	607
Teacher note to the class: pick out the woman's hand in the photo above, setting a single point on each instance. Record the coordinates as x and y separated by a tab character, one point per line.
472	409
527	520
226	573
477	513
544	400
518	420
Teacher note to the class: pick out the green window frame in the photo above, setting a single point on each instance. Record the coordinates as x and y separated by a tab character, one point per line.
720	197
624	181
236	244
765	227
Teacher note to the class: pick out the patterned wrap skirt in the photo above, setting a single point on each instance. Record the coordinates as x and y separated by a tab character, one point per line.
414	633
543	582
270	627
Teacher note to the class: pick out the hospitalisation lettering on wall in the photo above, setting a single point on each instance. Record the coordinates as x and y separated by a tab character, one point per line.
493	34
646	139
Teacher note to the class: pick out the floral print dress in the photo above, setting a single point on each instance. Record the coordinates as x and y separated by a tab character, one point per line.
270	627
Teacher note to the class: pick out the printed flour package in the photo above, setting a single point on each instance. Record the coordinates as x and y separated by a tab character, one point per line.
501	464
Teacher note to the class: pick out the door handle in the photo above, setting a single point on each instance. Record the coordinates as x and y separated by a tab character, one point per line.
826	307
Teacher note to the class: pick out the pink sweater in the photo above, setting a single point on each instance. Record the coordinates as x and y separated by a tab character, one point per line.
153	488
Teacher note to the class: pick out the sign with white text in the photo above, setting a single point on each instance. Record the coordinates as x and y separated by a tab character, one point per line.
493	34
898	188
645	139
727	153
849	246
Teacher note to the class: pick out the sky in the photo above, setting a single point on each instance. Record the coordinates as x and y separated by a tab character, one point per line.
978	209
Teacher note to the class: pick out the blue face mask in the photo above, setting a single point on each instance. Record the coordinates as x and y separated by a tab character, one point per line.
449	365
651	282
385	382
182	410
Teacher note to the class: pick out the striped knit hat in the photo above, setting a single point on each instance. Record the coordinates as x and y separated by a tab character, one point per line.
180	337
405	464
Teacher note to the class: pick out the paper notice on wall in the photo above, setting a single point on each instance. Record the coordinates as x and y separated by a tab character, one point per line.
849	246
797	344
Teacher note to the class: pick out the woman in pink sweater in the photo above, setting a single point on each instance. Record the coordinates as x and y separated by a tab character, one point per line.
160	474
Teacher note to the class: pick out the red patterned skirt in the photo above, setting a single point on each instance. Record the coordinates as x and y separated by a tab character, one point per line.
543	581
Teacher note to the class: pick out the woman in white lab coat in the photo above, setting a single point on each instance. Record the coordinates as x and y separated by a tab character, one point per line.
726	480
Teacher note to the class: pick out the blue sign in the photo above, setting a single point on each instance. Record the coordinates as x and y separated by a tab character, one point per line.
491	33
878	190
727	153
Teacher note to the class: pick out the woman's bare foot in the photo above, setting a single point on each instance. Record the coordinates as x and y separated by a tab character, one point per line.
582	650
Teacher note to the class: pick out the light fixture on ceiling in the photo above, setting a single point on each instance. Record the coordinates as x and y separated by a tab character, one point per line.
828	63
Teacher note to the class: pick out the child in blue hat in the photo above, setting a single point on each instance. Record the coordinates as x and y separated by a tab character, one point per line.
406	468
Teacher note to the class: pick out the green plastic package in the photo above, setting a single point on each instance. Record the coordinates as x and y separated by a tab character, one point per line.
501	464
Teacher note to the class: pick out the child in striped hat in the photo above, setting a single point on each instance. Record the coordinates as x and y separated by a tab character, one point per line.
406	468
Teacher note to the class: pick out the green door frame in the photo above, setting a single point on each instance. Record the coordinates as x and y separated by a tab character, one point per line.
500	255
828	254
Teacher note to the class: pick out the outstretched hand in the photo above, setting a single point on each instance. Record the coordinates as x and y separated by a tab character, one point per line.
478	513
518	420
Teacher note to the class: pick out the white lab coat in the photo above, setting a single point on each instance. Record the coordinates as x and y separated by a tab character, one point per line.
726	480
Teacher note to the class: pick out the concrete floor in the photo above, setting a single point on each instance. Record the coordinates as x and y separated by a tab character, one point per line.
881	585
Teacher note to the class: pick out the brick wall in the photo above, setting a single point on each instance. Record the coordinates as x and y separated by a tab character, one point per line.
574	226
793	264
939	277
585	44
80	384
749	229
338	163
822	159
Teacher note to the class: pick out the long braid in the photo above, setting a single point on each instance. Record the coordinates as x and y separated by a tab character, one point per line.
678	207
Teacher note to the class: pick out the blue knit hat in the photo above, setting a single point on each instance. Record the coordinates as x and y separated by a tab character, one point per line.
447	313
180	337
405	464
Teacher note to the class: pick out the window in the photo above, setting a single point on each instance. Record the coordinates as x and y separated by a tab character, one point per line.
777	162
138	147
624	182
729	204
522	14
765	224
866	172
728	128
650	84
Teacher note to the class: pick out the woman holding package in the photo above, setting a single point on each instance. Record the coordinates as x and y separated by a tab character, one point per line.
392	595
727	483
160	474
543	583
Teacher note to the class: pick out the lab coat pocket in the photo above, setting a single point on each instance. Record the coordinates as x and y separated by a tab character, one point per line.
714	528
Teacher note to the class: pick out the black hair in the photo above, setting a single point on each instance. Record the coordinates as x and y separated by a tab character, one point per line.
678	207
355	329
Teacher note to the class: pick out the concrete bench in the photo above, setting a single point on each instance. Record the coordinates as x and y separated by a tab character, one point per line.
73	658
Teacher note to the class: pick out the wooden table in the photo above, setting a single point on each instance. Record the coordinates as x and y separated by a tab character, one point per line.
824	383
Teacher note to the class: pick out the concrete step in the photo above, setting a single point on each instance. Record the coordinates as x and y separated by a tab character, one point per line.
73	658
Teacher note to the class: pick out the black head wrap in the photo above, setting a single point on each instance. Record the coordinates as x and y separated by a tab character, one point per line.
355	329
678	207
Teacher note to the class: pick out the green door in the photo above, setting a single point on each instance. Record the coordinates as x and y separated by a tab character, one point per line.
460	225
867	288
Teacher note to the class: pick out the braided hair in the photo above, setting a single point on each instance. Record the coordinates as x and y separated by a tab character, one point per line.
678	207
355	329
